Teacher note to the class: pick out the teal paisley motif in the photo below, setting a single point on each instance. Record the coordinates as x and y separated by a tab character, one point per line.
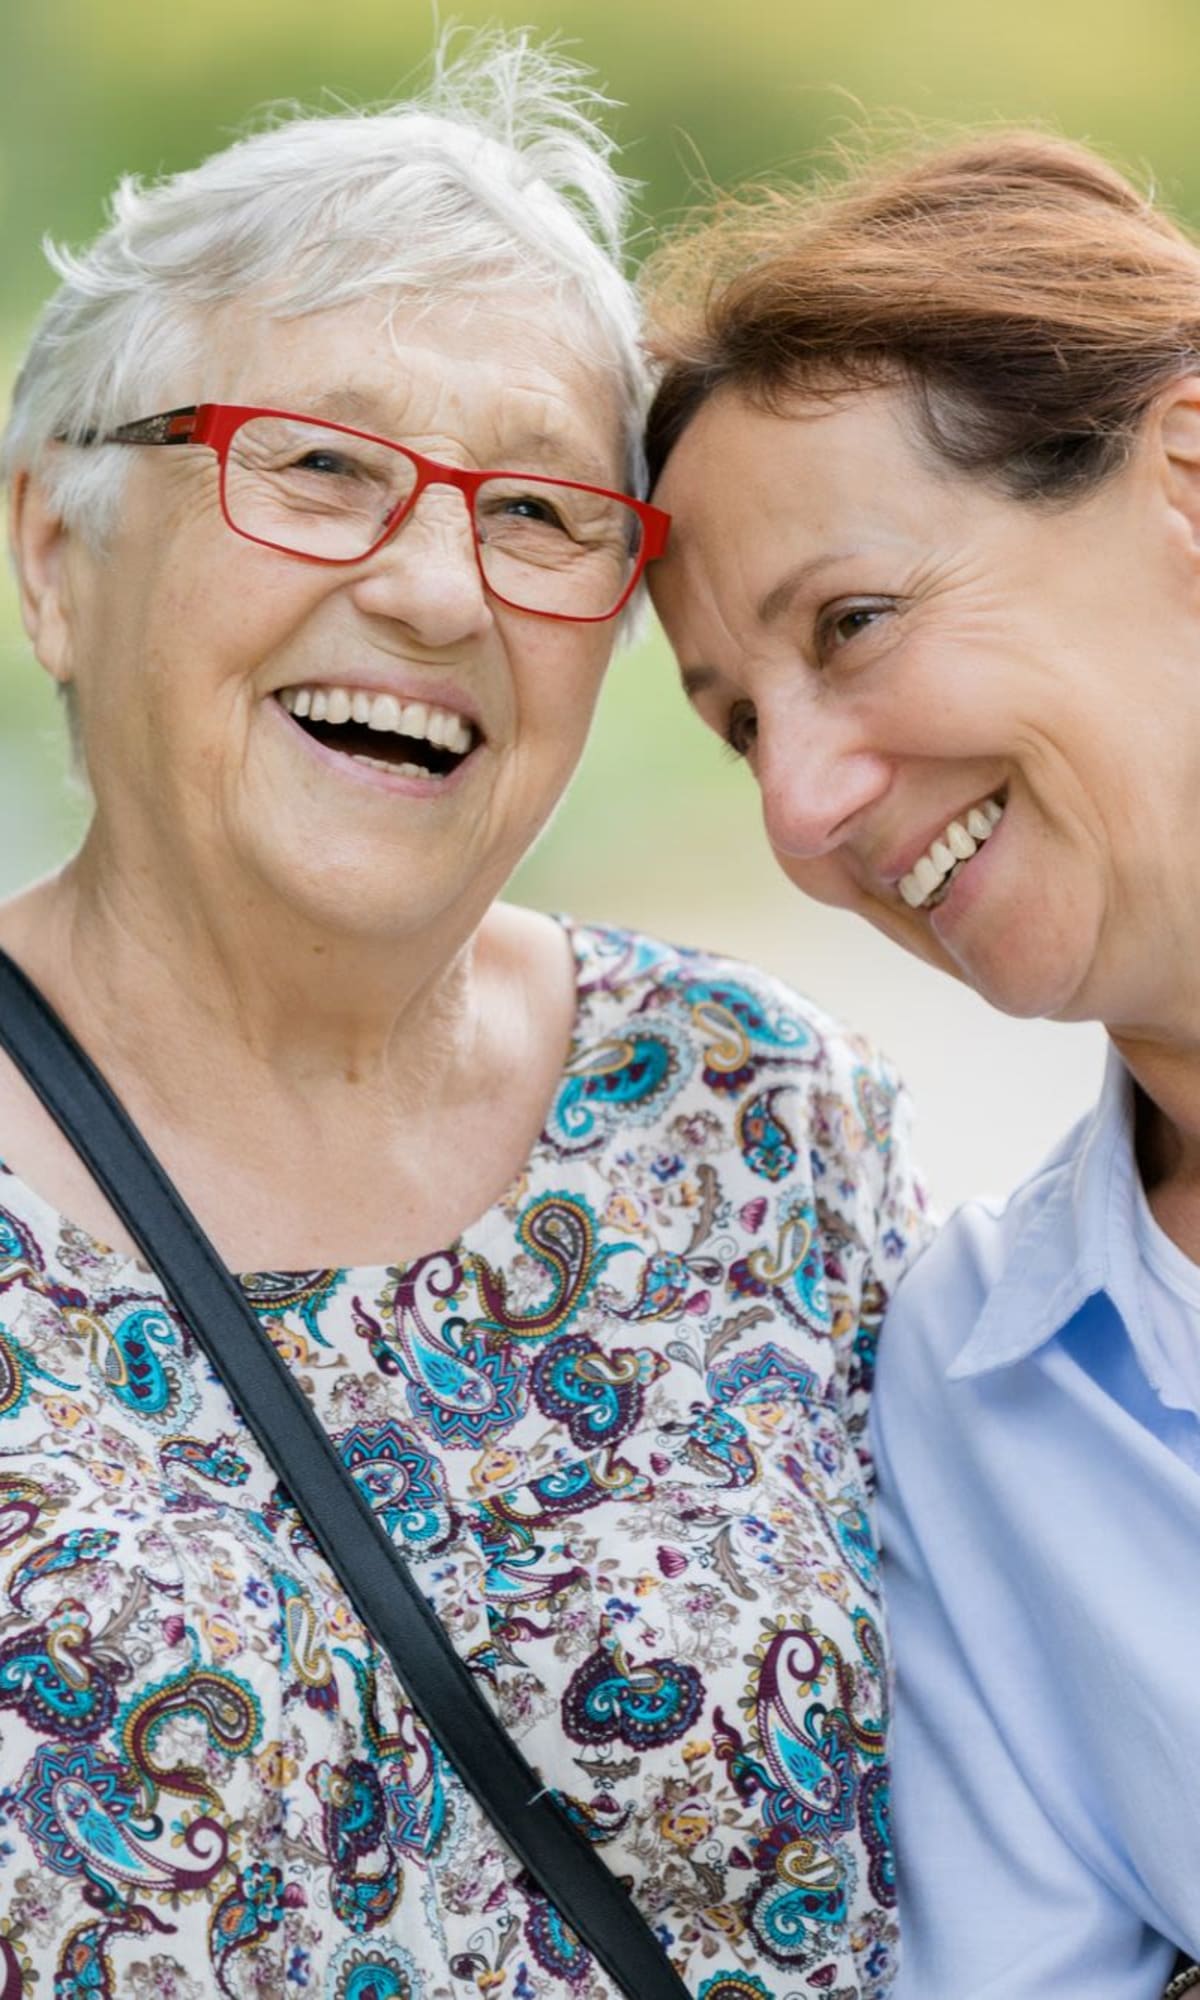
225	1707
140	1362
372	1971
274	1294
628	1080
460	1385
559	1232
19	1372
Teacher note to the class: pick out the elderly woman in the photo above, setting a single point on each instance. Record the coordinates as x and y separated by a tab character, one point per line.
323	466
932	446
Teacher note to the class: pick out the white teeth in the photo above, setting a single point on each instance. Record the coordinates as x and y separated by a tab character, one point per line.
383	712
394	770
956	844
928	875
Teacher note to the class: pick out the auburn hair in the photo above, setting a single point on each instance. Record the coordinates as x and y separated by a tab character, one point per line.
1033	301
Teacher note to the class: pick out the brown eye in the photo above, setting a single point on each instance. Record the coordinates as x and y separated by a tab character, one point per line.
838	626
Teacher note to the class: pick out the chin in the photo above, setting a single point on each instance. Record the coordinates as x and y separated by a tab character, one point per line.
1030	987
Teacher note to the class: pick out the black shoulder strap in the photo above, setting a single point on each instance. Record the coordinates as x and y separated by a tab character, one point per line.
377	1581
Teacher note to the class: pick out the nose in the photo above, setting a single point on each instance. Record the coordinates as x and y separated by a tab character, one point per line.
426	576
816	774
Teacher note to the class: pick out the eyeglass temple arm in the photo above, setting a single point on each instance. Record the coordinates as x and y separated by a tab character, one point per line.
169	427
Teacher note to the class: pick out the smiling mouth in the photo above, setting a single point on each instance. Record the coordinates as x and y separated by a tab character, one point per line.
407	739
928	881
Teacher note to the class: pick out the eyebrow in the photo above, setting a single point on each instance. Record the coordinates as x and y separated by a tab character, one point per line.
526	450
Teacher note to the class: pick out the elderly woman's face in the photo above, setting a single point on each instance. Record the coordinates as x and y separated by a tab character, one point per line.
192	648
974	721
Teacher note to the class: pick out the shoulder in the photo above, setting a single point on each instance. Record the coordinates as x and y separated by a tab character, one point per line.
737	1012
765	1055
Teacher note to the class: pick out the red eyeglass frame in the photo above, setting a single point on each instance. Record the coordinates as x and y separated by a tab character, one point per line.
216	424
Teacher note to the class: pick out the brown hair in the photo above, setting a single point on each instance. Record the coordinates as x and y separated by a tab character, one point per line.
1034	302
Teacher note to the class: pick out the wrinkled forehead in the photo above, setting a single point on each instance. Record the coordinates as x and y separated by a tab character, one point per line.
500	373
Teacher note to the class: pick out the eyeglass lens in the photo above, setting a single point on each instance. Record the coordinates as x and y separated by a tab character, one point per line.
543	545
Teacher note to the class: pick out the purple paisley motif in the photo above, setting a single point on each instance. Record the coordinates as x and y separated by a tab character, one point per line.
365	1875
569	1489
608	1700
559	1232
51	1676
875	1826
66	1552
245	1916
229	1710
556	1949
21	1500
766	1143
459	1383
83	1966
804	1745
87	1816
599	1397
731	1381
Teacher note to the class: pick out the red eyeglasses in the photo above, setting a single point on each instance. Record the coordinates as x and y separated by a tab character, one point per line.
332	494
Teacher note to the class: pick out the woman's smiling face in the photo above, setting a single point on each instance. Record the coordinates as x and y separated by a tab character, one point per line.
973	720
203	661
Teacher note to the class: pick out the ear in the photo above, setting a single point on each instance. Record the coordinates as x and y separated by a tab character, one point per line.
42	547
1177	422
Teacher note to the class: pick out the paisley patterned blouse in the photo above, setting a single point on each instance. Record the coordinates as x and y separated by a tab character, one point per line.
618	1428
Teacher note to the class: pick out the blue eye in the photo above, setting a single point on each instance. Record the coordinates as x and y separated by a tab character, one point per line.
325	461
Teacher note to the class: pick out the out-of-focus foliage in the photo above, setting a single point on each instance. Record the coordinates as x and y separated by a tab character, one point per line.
92	88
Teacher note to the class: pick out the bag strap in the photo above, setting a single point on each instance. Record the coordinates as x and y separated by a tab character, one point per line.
358	1549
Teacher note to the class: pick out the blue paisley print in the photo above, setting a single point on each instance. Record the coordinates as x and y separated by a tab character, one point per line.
618	1430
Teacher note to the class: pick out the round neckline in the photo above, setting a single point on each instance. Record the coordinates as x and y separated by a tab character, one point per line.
578	936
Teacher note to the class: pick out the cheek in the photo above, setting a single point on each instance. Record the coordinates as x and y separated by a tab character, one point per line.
560	672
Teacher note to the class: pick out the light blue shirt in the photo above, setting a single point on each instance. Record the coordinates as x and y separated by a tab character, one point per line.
1040	1514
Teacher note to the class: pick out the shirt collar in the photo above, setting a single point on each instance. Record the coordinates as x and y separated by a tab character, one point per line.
1071	1235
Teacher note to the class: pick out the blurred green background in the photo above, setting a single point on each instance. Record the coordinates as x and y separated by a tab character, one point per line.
660	830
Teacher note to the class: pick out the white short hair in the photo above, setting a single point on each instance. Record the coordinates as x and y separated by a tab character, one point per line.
498	173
